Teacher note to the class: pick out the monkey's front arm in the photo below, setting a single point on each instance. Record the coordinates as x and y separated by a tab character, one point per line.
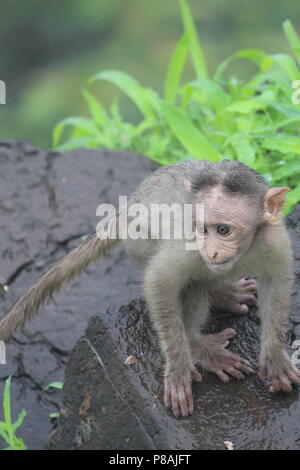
162	287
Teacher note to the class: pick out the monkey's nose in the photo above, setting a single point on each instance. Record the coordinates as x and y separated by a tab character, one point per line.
212	256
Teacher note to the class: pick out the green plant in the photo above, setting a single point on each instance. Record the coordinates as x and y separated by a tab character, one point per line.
7	427
212	117
58	385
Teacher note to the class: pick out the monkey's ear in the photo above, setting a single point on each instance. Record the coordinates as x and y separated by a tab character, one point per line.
187	185
273	204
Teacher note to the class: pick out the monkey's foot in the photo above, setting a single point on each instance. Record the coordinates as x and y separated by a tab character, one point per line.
178	392
211	353
235	296
281	372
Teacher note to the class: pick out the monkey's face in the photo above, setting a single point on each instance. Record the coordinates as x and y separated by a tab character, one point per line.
227	229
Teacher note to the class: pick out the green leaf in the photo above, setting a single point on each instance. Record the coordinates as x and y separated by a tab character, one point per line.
293	39
19	420
270	79
258	56
153	99
3	432
245	151
245	106
290	168
194	43
212	92
287	110
283	144
144	125
56	414
130	87
175	69
87	125
58	385
274	126
96	109
190	137
288	65
6	409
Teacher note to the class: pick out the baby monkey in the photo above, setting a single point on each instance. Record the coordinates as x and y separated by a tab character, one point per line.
240	234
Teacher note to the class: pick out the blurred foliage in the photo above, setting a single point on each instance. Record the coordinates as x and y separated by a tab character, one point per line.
47	49
252	120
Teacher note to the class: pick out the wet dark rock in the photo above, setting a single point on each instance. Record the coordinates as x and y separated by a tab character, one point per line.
106	412
48	200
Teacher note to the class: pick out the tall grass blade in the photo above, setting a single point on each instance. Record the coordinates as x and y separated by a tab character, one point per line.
194	42
293	39
6	409
175	69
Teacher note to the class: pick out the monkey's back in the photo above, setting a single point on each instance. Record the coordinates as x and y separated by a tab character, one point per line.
166	185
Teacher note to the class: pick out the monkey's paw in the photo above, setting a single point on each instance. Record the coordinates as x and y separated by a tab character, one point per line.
213	356
235	296
178	392
281	372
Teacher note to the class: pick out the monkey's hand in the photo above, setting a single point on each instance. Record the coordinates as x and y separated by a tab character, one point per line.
178	391
280	370
212	354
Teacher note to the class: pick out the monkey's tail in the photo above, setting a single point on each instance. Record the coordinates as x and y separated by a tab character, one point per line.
94	247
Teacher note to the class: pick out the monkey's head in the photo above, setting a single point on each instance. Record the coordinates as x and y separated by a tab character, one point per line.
237	201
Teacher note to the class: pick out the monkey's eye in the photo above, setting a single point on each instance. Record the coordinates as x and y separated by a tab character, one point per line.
223	230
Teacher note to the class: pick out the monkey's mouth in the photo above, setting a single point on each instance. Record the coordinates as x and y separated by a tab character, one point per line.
221	266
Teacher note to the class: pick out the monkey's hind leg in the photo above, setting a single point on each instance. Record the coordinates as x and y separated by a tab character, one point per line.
234	296
210	351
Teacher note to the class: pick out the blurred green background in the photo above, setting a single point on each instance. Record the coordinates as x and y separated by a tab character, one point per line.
49	48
